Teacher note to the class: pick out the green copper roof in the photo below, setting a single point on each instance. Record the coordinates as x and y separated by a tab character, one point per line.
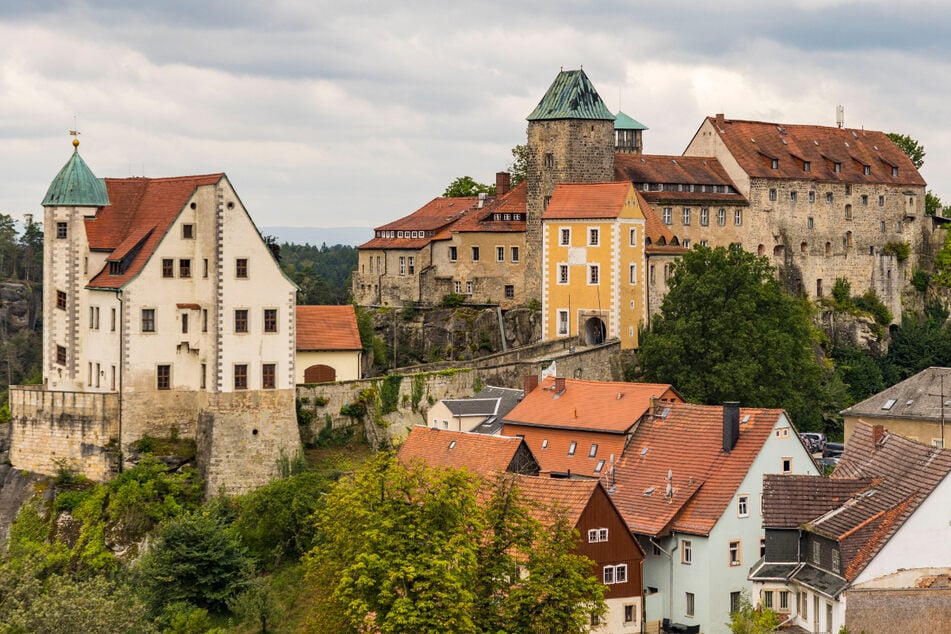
76	185
624	122
571	96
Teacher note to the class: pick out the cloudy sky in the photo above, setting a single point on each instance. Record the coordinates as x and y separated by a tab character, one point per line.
327	114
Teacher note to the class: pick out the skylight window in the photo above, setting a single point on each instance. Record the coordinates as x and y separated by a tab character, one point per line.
599	466
888	404
648	491
452	444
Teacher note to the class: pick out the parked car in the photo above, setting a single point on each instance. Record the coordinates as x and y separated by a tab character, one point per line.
815	441
833	450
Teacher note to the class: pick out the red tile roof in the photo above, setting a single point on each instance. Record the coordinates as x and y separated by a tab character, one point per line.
324	328
140	213
513	202
589	200
661	238
551	446
754	144
482	454
789	501
688	442
549	497
676	170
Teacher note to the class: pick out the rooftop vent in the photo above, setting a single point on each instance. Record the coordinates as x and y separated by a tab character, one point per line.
648	491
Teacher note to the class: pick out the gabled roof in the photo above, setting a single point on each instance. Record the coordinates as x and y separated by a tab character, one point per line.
434	216
686	442
754	144
789	501
624	122
603	406
660	239
512	202
919	396
550	497
703	173
136	221
479	453
589	200
571	96
326	328
76	185
472	406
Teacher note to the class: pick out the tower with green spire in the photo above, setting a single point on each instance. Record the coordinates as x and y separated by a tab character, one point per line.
570	140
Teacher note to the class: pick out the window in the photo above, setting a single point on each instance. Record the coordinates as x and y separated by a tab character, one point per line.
734	602
784	600
686	552
188	231
594	273
762	540
241	320
61	355
894	171
61	300
848	190
738	217
686	244
774	164
184	323
594	237
837	167
691	604
204	267
768	599
899	226
816	552
564	237
546	202
812	197
241	268
793	196
185	268
562	322
475	254
743	506
500	254
453	254
112	321
562	273
469	287
148	320
457	287
600	466
593	451
810	223
61	231
241	376
94	318
268	376
514	254
721	216
168	267
633	237
685	216
848	212
668	215
270	320
402	265
204	320
629	614
704	243
204	371
735	553
549	159
615	574
787	462
772	194
633	274
572	447
509	291
828	198
806	166
597	535
835	560
865	200
881	201
163	377
704	216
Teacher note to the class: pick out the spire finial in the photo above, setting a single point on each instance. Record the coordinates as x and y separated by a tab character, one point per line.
75	135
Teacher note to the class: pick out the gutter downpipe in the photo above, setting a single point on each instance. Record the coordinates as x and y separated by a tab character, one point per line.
121	365
670	582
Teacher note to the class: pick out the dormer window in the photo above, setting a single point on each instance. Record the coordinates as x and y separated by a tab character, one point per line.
115	268
866	169
806	166
894	171
837	167
774	163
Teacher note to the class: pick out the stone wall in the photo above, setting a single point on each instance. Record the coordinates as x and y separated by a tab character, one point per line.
76	429
241	437
904	610
158	412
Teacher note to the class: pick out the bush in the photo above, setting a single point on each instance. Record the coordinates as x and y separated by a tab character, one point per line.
901	250
871	302
920	280
452	300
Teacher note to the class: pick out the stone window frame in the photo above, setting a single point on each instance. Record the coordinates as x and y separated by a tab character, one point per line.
721	217
735	552
241	268
184	267
240	376
564	274
562	323
685	216
147	320
269	320
168	267
564	236
453	253
704	216
163	376
594	236
594	274
513	251
268	376
188	231
500	254
242	321
62	230
61	300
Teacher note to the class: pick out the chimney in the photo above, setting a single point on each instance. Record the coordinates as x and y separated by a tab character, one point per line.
878	434
529	383
503	183
559	384
719	120
731	425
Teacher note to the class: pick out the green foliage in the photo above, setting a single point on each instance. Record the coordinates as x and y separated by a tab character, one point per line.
920	342
452	300
901	250
519	166
416	392
390	393
859	372
920	280
911	147
534	305
411	548
365	328
322	273
467	186
409	311
750	620
842	294
181	617
727	331
256	605
333	437
871	303
477	384
942	264
196	559
933	205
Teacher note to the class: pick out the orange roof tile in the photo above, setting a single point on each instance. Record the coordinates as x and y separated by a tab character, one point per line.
482	454
548	497
658	234
327	328
551	448
754	144
688	442
132	226
512	202
589	200
431	218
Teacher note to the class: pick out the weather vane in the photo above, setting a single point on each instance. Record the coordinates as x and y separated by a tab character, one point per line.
75	132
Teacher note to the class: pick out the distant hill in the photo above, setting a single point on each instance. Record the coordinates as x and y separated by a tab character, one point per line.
350	236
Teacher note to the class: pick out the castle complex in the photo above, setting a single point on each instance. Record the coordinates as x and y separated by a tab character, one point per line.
823	203
165	315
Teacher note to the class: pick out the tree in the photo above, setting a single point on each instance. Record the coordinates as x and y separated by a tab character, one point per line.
912	149
467	186
412	548
933	206
750	620
728	332
519	167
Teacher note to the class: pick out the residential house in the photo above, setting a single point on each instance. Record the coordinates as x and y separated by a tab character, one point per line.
603	535
471	246
328	344
825	202
689	485
915	408
580	428
165	315
876	529
483	413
